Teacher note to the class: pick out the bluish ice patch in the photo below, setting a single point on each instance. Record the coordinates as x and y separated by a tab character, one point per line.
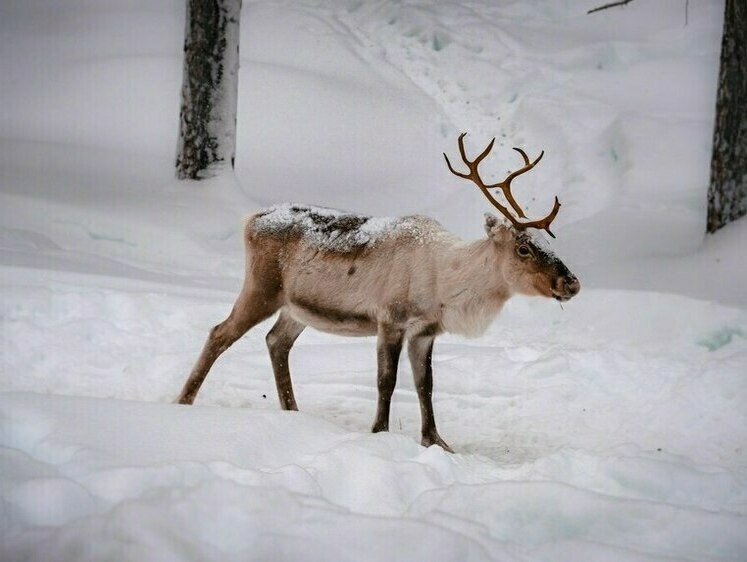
721	338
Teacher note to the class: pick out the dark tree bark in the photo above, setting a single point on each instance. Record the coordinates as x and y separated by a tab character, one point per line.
727	194
207	128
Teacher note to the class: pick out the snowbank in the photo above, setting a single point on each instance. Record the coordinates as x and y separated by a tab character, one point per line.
92	479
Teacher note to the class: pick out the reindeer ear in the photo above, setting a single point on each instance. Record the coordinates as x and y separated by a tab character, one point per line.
497	230
491	221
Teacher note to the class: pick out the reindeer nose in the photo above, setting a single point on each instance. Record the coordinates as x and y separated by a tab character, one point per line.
566	287
571	286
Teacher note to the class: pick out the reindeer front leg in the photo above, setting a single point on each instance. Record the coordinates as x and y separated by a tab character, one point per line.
388	348
420	350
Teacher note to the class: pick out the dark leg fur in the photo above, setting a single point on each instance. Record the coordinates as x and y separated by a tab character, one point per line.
420	350
389	346
280	340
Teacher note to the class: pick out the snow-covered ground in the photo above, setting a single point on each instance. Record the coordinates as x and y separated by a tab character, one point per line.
611	429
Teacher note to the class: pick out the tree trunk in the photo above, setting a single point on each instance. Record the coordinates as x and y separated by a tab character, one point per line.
207	127
727	194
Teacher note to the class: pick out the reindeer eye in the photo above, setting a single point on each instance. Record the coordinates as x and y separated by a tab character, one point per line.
524	251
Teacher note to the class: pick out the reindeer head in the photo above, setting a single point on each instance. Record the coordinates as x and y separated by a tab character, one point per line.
527	264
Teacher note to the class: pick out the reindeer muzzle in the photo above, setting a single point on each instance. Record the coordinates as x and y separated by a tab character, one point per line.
566	287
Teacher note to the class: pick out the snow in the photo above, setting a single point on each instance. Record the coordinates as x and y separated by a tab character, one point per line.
610	429
330	229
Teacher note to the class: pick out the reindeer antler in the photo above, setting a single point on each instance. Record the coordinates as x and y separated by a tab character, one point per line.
505	186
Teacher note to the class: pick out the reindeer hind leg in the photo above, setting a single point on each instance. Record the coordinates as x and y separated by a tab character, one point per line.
280	340
250	309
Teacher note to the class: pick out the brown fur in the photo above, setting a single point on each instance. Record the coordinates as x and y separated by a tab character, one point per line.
412	283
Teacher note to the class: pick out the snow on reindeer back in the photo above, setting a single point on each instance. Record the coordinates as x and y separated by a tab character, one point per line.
327	229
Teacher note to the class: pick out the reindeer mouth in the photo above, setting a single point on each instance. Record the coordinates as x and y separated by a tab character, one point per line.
560	297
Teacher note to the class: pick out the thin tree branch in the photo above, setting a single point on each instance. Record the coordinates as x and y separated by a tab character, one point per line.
610	5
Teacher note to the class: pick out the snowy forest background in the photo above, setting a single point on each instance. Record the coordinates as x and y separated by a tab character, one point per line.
611	430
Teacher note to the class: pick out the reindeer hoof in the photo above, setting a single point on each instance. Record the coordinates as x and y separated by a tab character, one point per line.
429	440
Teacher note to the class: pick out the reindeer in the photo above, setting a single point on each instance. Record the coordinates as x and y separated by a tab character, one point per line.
399	279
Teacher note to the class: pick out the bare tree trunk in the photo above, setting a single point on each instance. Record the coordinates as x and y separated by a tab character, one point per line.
207	128
727	194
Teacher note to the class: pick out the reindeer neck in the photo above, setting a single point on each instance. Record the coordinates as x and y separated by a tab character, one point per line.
471	287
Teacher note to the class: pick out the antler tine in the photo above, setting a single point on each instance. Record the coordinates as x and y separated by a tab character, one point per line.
473	174
464	157
544	224
481	157
528	166
524	155
505	186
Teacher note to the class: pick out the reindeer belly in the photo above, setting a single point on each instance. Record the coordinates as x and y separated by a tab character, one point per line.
332	319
